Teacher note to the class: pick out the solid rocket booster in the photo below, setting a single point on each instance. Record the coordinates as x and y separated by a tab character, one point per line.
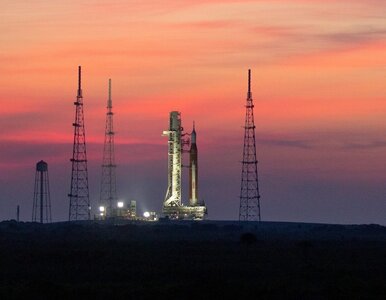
193	170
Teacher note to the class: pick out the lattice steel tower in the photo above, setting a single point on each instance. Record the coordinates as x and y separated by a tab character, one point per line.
79	195
41	210
249	194
108	195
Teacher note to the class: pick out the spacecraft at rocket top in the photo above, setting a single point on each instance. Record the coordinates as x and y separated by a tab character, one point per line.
193	170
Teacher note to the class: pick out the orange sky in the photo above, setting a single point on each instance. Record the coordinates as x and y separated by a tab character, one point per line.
318	71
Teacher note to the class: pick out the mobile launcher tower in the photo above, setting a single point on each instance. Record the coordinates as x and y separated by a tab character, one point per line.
173	206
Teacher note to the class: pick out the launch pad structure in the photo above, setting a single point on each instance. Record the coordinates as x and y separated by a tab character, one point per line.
173	207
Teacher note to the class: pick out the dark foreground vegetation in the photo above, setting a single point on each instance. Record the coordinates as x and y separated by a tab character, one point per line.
207	260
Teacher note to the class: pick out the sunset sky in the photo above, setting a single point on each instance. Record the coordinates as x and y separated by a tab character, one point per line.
318	84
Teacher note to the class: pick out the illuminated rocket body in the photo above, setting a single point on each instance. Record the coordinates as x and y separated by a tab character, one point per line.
193	171
172	206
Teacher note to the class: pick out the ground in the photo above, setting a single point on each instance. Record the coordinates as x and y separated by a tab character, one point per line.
185	260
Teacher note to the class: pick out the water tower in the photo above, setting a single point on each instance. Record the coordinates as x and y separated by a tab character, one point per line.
41	210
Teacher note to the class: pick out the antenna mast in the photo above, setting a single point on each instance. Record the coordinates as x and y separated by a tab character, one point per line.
79	195
249	194
108	193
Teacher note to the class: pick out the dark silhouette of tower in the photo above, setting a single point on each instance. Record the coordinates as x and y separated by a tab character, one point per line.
108	194
79	195
249	194
41	210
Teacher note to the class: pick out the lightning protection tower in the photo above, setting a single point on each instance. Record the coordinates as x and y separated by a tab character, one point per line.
41	210
249	194
108	193
79	195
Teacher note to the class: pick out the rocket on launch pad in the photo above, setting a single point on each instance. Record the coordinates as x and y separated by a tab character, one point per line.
193	170
173	206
